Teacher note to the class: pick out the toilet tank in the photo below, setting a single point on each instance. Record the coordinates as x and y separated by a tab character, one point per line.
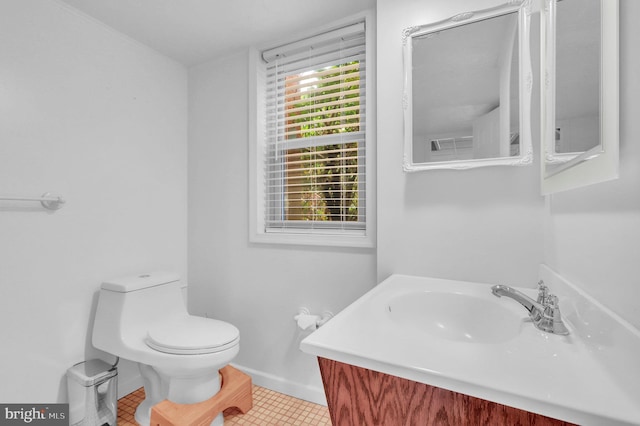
127	305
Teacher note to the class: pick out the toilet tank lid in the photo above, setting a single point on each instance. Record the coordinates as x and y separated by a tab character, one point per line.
138	282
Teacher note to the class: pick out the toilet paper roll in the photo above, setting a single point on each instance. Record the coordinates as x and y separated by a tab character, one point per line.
307	321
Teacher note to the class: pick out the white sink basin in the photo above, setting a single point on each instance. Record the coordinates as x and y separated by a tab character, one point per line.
455	316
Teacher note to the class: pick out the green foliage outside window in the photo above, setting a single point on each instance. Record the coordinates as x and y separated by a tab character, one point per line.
322	181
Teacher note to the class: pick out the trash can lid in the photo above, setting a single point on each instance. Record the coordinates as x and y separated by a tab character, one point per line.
91	372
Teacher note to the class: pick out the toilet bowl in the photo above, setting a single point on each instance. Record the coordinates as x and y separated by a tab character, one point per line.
143	319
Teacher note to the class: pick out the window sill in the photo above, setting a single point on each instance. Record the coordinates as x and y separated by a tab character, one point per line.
353	240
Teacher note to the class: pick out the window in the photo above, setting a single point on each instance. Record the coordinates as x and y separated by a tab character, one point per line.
312	149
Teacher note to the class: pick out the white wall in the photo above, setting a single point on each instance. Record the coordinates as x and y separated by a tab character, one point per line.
257	287
480	225
593	232
100	120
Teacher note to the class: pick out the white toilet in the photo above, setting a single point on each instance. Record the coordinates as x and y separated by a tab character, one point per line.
144	319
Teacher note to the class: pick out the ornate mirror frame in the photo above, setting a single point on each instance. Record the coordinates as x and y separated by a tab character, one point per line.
601	162
523	10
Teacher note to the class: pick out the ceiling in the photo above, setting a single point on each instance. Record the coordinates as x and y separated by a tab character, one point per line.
194	31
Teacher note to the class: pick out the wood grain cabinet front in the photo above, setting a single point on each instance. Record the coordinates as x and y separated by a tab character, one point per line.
358	396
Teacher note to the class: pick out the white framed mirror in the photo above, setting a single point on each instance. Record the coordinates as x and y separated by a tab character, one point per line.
579	97
467	90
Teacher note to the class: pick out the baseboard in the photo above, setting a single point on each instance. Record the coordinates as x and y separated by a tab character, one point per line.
287	387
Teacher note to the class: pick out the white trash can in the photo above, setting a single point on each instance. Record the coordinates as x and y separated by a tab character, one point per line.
93	390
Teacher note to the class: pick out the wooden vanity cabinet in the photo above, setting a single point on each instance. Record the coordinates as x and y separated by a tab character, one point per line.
358	396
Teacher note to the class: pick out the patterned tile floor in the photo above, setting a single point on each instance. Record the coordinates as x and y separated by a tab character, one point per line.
270	408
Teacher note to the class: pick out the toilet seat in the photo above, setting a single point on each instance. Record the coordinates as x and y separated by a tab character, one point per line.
190	335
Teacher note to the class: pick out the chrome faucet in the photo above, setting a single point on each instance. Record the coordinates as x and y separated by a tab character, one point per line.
544	312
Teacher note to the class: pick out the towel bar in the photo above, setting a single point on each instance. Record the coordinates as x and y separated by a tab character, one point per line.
48	200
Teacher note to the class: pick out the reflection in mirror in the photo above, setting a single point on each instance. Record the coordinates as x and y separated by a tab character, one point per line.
577	76
580	98
467	90
577	83
465	86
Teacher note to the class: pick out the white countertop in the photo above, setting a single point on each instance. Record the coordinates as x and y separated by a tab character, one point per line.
580	378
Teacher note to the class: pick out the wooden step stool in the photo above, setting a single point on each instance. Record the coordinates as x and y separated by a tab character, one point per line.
235	391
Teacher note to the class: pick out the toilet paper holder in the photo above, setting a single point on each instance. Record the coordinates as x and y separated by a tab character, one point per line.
308	322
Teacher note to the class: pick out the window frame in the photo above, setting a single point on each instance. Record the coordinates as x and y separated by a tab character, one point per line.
257	123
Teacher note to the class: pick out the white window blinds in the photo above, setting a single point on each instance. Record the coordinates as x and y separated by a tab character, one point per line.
315	134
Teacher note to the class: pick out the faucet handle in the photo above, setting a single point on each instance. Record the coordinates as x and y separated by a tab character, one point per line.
543	293
553	317
552	308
